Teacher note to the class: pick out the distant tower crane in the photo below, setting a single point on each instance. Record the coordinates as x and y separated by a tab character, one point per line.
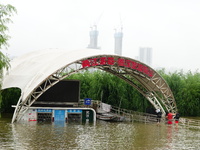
118	35
94	34
93	38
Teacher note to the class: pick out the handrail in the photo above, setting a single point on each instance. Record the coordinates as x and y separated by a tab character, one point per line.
131	115
190	123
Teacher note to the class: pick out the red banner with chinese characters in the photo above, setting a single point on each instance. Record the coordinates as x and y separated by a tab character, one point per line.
121	62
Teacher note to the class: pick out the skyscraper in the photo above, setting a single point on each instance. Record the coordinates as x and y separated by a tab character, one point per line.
93	38
118	42
145	55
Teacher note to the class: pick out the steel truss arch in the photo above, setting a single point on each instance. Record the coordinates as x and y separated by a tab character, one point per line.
142	77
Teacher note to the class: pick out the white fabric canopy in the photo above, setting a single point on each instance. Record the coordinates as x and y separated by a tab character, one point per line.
32	69
29	70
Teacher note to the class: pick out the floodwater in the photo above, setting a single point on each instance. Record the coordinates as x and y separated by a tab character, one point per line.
100	136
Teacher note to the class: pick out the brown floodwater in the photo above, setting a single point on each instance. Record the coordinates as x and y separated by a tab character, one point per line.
100	136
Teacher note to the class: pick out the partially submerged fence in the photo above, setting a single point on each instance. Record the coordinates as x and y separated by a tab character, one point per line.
132	116
135	116
190	123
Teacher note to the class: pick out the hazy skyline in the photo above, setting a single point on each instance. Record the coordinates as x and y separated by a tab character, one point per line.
170	27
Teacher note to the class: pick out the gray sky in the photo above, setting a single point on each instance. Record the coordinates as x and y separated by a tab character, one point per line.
170	27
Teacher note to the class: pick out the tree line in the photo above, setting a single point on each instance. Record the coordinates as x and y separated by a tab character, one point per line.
113	90
186	90
99	85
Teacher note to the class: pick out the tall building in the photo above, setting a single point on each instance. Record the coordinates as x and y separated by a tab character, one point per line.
145	55
118	42
93	38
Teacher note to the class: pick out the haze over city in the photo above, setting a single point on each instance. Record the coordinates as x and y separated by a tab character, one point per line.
169	27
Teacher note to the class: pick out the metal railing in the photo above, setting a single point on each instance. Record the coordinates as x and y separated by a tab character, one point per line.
128	115
132	116
135	116
190	123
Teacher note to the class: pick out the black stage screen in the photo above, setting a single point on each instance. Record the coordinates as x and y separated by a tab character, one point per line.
63	91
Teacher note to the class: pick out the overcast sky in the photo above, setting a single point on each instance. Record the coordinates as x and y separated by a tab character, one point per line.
170	27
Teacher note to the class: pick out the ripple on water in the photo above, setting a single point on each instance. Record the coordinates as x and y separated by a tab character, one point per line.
103	135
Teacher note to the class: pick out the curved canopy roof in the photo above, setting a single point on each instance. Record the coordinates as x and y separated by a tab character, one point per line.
29	70
34	72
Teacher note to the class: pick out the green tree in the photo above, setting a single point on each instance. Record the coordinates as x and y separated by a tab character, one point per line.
116	92
186	90
6	11
110	89
189	96
10	97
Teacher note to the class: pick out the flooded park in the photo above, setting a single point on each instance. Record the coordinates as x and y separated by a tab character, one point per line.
48	95
129	97
100	135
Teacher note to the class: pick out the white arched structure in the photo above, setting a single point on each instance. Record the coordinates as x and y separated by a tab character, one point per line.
37	71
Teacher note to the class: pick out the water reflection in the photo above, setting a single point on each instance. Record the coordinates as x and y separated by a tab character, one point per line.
102	135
